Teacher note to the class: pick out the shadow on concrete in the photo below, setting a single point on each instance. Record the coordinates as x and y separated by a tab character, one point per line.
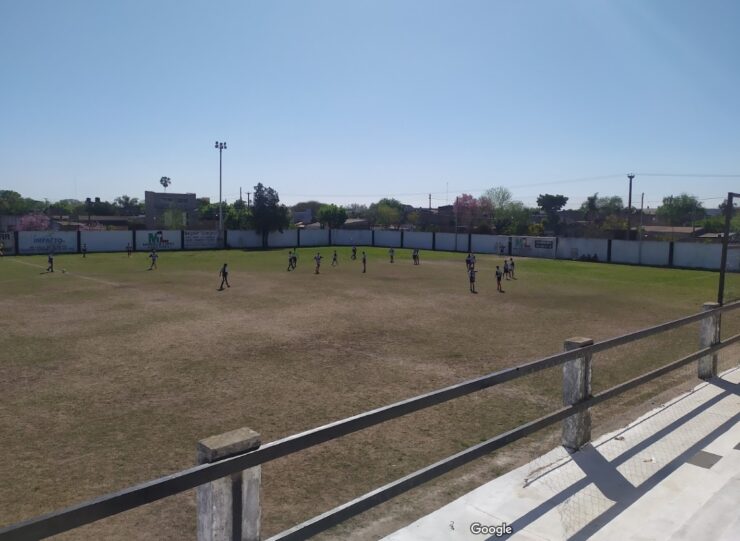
613	485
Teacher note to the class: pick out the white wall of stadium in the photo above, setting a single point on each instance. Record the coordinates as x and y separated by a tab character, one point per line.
651	253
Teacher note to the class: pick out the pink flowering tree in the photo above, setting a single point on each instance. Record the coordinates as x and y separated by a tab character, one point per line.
34	222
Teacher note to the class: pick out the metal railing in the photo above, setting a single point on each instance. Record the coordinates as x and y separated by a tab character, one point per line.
142	494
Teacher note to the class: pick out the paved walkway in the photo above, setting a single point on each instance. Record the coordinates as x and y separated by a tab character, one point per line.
674	474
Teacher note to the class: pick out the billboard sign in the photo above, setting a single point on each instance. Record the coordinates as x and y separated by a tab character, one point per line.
195	240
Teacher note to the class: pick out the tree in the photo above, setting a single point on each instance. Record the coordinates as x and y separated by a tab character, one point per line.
499	196
513	219
597	209
387	215
33	222
237	215
267	212
332	215
551	205
313	206
14	204
680	210
466	210
165	181
207	210
128	206
357	210
387	211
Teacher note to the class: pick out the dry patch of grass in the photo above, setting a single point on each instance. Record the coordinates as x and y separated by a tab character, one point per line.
105	386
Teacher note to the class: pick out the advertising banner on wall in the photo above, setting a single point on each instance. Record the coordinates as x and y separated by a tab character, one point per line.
44	242
200	240
8	243
158	240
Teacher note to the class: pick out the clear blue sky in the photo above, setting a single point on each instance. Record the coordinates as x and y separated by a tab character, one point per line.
350	101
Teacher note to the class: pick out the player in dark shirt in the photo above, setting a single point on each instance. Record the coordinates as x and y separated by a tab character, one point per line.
471	275
224	273
498	279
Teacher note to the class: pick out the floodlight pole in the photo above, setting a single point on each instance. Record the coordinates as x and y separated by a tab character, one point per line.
629	208
220	146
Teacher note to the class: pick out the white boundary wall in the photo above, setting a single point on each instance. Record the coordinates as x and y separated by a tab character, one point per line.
415	239
534	246
490	244
243	239
573	248
388	238
159	240
8	240
694	255
43	242
106	241
286	239
652	252
200	240
349	237
656	253
314	237
446	242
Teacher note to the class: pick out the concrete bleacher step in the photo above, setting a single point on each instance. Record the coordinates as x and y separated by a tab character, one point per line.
720	515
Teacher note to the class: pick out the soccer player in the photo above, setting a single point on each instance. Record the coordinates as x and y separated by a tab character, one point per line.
334	260
364	262
294	258
506	268
511	267
498	279
2	249
318	261
290	261
415	256
354	253
468	261
471	275
224	274
391	253
153	256
128	249
84	250
50	261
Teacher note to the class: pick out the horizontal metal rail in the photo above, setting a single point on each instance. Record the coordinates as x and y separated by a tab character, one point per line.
129	498
350	509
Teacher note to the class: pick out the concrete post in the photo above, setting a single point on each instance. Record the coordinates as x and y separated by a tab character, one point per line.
709	336
576	388
229	508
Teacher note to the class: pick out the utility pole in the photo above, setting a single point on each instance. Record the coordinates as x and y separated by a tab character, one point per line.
629	208
240	194
249	199
430	201
639	230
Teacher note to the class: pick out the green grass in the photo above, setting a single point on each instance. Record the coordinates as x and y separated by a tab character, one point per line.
112	373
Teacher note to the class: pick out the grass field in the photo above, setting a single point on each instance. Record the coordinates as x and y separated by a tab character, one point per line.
112	373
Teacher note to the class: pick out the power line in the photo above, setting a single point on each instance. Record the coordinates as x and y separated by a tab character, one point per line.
689	175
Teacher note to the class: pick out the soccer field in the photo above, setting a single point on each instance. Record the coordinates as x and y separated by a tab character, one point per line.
112	373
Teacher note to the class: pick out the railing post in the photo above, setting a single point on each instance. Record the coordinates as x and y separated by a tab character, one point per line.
229	508
576	388
709	336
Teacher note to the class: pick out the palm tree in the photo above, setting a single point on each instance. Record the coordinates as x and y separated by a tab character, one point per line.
165	181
